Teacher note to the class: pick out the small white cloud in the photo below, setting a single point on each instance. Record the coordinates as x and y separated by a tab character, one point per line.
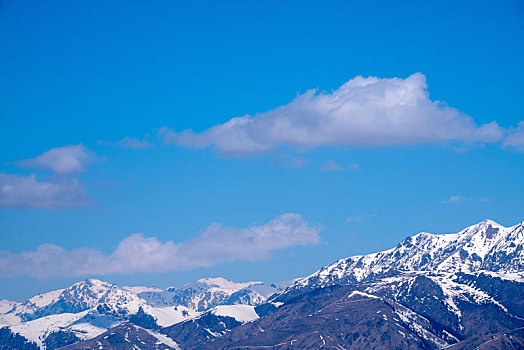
133	142
293	162
331	165
136	253
359	218
28	192
62	160
515	138
362	112
453	199
299	162
460	198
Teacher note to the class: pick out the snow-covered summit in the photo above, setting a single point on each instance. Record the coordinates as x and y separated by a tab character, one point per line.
207	293
90	307
81	296
222	283
142	289
485	246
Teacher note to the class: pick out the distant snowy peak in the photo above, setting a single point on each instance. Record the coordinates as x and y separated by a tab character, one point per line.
142	289
484	246
90	307
218	283
79	297
226	284
207	293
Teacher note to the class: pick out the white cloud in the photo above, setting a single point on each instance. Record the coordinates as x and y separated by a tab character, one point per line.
331	165
359	218
362	112
515	137
62	160
136	253
133	142
28	192
460	198
453	199
61	190
292	162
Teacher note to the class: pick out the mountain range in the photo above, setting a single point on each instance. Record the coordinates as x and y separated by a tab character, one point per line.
432	291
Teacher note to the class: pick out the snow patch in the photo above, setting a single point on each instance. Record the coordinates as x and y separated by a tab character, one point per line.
241	313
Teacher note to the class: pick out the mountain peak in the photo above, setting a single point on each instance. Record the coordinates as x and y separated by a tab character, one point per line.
93	282
222	283
486	246
484	224
90	285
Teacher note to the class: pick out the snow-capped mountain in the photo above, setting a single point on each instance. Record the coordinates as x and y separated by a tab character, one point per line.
84	309
401	312
89	308
207	293
485	246
430	291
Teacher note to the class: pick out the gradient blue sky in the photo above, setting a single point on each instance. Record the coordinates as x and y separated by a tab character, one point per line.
95	72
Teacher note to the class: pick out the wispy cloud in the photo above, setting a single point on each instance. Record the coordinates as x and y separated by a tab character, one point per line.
133	142
515	138
62	160
28	192
331	165
137	253
460	198
292	162
362	112
359	218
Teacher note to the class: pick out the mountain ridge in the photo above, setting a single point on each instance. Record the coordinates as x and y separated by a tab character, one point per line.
437	287
471	249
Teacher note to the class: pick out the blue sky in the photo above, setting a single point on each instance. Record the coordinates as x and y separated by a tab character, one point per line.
107	89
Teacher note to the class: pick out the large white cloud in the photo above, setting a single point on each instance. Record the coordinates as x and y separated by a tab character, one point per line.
62	160
136	253
28	192
362	112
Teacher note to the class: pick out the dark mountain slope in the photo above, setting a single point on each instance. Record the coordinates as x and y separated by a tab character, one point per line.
333	318
511	340
126	336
